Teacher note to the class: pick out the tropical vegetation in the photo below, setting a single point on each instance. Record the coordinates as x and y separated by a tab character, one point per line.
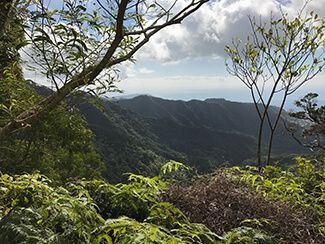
55	180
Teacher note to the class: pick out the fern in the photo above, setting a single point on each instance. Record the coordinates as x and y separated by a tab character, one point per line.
33	210
126	230
172	166
196	233
248	235
165	214
301	184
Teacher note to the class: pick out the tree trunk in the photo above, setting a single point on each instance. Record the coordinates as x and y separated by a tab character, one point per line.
259	144
5	7
269	150
275	126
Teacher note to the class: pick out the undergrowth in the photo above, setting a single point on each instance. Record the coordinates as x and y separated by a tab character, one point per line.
33	210
234	205
247	205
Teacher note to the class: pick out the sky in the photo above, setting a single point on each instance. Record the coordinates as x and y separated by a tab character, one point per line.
187	61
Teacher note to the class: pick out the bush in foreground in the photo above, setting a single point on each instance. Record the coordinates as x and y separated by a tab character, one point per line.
32	210
287	205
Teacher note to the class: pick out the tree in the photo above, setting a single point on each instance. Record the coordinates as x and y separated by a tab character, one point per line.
79	44
313	117
60	145
276	60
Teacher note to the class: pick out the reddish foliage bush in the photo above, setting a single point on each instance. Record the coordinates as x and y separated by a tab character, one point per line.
222	204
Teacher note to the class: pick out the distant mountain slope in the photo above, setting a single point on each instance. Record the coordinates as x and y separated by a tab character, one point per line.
125	141
139	134
214	114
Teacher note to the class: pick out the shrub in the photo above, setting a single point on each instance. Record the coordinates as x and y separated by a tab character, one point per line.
247	235
223	203
32	211
302	184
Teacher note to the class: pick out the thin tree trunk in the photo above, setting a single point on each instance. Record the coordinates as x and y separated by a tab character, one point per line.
275	126
5	7
270	147
259	143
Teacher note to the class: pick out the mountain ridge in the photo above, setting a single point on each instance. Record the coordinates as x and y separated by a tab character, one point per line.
139	134
209	132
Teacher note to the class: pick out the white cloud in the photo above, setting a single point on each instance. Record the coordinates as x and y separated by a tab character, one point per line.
206	32
128	71
145	71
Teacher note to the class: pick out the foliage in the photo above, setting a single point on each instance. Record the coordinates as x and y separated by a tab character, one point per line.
276	60
11	38
134	200
78	44
60	146
34	211
165	214
314	118
301	184
126	230
172	166
247	235
16	95
245	204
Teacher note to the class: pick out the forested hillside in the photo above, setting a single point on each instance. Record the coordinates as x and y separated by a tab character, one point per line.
136	134
233	120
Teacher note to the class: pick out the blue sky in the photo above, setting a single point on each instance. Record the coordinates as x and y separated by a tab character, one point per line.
187	61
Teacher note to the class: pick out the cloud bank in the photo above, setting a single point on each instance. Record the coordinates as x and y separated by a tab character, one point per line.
206	32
